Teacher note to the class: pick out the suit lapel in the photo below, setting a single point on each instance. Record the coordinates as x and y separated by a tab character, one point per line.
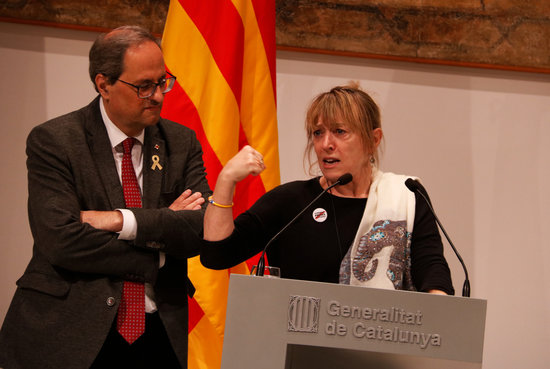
100	147
154	166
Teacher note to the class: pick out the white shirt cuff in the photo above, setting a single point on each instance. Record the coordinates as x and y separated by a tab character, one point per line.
129	225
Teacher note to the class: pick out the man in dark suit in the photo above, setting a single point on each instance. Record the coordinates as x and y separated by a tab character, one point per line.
116	201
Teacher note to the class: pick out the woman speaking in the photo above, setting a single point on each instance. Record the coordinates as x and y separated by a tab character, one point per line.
371	231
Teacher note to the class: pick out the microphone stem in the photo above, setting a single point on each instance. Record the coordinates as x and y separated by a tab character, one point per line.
466	286
261	261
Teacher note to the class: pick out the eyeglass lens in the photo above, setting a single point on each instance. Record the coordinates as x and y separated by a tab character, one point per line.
149	89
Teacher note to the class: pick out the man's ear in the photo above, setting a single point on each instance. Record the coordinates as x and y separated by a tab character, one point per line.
102	85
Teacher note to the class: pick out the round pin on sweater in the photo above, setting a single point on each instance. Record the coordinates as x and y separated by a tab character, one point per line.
320	215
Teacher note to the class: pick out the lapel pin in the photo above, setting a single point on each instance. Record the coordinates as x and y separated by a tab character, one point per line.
156	164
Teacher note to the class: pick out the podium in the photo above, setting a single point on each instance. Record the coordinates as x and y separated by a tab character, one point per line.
275	323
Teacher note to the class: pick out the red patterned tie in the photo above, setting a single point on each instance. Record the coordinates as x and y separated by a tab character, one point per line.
131	313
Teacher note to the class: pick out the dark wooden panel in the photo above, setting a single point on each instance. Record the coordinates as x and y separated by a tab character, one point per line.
506	34
496	32
89	14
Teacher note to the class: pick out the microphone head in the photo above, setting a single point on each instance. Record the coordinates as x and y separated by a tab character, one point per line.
344	179
411	184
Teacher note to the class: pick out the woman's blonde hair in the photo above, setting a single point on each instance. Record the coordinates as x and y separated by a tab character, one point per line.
344	104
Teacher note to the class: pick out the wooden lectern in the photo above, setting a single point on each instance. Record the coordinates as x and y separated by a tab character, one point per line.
275	323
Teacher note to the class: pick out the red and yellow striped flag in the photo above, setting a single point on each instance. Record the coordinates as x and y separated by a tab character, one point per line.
223	54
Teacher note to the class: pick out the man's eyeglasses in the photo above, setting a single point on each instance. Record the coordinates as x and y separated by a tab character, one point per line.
148	89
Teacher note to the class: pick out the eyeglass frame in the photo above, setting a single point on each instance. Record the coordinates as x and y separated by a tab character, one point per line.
155	84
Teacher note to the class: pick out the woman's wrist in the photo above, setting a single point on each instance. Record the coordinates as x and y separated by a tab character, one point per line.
223	193
219	205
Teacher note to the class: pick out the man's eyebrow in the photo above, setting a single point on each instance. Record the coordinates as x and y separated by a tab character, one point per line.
146	81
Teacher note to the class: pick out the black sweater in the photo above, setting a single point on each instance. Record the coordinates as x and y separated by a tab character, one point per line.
312	250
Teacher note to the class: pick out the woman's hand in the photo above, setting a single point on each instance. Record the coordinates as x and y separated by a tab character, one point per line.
437	292
218	219
247	161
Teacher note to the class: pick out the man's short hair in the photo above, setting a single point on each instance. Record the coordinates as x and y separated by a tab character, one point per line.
107	52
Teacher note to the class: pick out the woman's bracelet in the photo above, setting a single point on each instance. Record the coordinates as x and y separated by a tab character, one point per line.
219	205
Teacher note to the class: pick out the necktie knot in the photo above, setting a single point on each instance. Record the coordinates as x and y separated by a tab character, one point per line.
130	186
127	144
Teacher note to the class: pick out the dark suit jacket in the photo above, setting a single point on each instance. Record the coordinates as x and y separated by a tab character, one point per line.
63	307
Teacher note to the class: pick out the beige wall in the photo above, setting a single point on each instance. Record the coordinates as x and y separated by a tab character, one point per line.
479	139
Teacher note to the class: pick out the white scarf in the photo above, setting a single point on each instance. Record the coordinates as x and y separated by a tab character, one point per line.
380	254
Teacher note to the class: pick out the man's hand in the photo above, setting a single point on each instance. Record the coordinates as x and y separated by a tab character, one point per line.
188	201
105	220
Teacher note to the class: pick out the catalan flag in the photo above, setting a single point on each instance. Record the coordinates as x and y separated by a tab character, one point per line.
223	54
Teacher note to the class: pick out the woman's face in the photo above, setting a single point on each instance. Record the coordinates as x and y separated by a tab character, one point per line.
339	151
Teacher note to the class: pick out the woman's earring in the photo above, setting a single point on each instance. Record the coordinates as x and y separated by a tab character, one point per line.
371	160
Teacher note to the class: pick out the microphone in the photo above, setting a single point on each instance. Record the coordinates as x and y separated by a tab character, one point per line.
342	180
415	187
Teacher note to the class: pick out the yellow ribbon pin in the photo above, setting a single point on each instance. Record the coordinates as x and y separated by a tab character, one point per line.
156	163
